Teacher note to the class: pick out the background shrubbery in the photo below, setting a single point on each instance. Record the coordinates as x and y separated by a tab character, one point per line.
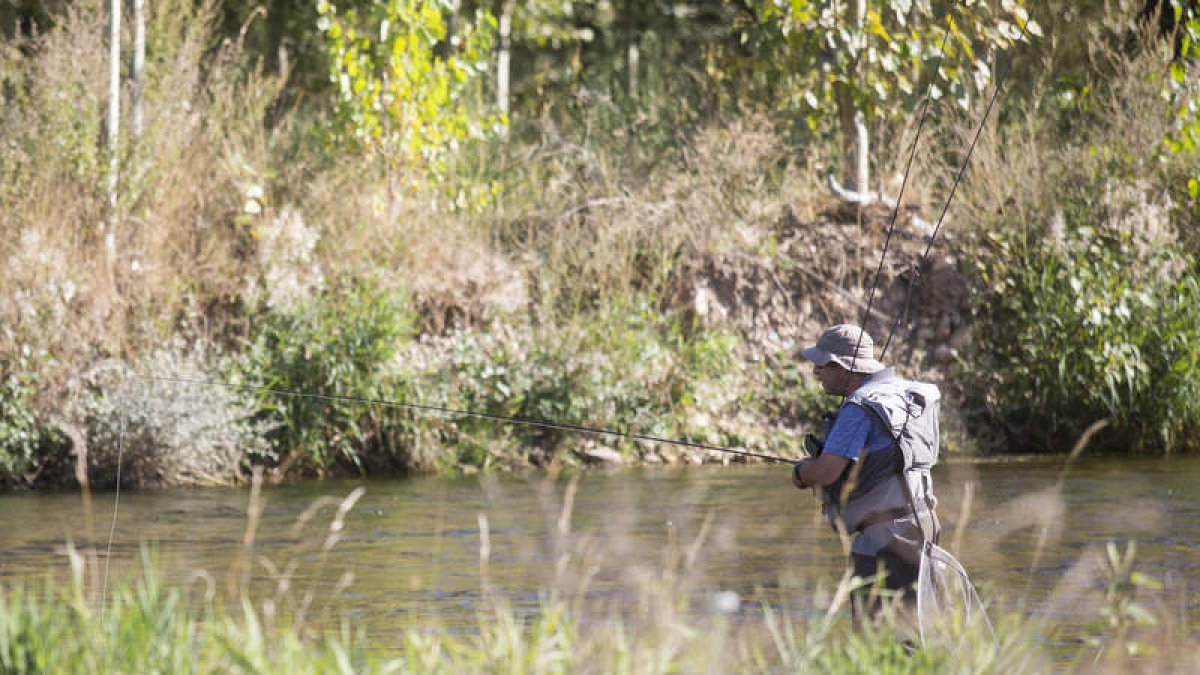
641	253
1086	277
157	424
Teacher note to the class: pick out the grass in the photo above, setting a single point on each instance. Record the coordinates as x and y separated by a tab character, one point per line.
666	619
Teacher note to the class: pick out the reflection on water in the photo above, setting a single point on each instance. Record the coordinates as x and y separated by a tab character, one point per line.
413	546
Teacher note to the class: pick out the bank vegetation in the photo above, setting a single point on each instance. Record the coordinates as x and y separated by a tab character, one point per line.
632	228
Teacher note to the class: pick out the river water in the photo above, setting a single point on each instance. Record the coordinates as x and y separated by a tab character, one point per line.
1032	536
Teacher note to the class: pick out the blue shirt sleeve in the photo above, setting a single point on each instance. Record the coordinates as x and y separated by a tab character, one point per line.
854	430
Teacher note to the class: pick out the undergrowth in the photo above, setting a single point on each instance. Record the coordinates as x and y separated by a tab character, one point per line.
583	289
660	623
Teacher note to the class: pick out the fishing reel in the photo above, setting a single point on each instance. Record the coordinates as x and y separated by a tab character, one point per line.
814	444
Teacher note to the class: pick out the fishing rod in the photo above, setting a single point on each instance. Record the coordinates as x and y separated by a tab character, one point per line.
1001	76
517	419
912	154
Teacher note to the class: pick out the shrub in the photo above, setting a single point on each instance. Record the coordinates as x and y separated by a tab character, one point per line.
1085	307
20	433
1095	331
336	352
164	422
625	367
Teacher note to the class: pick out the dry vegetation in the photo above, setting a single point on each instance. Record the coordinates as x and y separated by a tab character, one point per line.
234	223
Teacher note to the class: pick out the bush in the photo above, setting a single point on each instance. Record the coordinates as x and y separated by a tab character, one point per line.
1096	330
20	434
625	367
166	422
1086	304
336	353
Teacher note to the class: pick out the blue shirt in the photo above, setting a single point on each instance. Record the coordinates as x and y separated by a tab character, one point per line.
855	429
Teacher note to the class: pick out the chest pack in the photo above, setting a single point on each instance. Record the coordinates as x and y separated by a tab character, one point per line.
909	411
886	483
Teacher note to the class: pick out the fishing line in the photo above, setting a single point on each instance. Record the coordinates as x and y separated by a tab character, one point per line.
962	170
912	153
112	531
941	578
529	421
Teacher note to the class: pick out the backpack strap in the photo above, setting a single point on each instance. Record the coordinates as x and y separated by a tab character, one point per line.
901	471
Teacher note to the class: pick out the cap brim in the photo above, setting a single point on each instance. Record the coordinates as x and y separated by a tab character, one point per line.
864	366
817	355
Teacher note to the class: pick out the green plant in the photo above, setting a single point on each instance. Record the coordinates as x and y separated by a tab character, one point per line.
863	61
1097	328
21	435
339	346
1113	635
403	83
147	625
624	367
167	420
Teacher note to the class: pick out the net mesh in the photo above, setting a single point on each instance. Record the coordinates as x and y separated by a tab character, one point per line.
949	610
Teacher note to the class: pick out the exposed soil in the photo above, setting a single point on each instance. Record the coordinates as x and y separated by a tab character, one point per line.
815	274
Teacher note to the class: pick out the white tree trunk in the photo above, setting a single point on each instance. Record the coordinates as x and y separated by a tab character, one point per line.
633	57
139	66
108	225
504	59
856	144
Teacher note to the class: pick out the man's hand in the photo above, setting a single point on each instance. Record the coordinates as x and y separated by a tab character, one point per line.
818	471
796	480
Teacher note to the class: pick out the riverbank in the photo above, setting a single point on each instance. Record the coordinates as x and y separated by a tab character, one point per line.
611	262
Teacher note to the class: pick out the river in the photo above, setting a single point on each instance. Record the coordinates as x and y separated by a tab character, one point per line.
409	552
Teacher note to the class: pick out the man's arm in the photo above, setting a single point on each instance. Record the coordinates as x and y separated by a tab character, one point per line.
819	471
846	439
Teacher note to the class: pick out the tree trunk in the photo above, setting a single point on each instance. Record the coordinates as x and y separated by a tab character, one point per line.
108	225
633	55
504	58
139	66
856	144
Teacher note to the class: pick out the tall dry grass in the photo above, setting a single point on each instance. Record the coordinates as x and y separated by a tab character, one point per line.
180	238
658	612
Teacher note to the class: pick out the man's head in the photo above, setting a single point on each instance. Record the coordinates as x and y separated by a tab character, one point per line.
842	358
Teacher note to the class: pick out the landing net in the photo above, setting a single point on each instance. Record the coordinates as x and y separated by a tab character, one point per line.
949	611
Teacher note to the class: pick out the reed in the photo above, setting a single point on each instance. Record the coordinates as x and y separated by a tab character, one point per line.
667	618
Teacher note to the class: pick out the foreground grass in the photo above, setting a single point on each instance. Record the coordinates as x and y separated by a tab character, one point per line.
145	625
669	618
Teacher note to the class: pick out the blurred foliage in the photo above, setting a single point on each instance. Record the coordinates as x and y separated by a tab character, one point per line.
146	624
1114	635
397	96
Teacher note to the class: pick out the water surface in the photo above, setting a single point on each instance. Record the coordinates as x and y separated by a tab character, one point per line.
1031	536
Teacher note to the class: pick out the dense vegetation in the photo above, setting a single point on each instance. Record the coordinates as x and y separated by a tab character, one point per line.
603	213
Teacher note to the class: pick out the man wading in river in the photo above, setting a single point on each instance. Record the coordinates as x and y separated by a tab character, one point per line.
873	463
